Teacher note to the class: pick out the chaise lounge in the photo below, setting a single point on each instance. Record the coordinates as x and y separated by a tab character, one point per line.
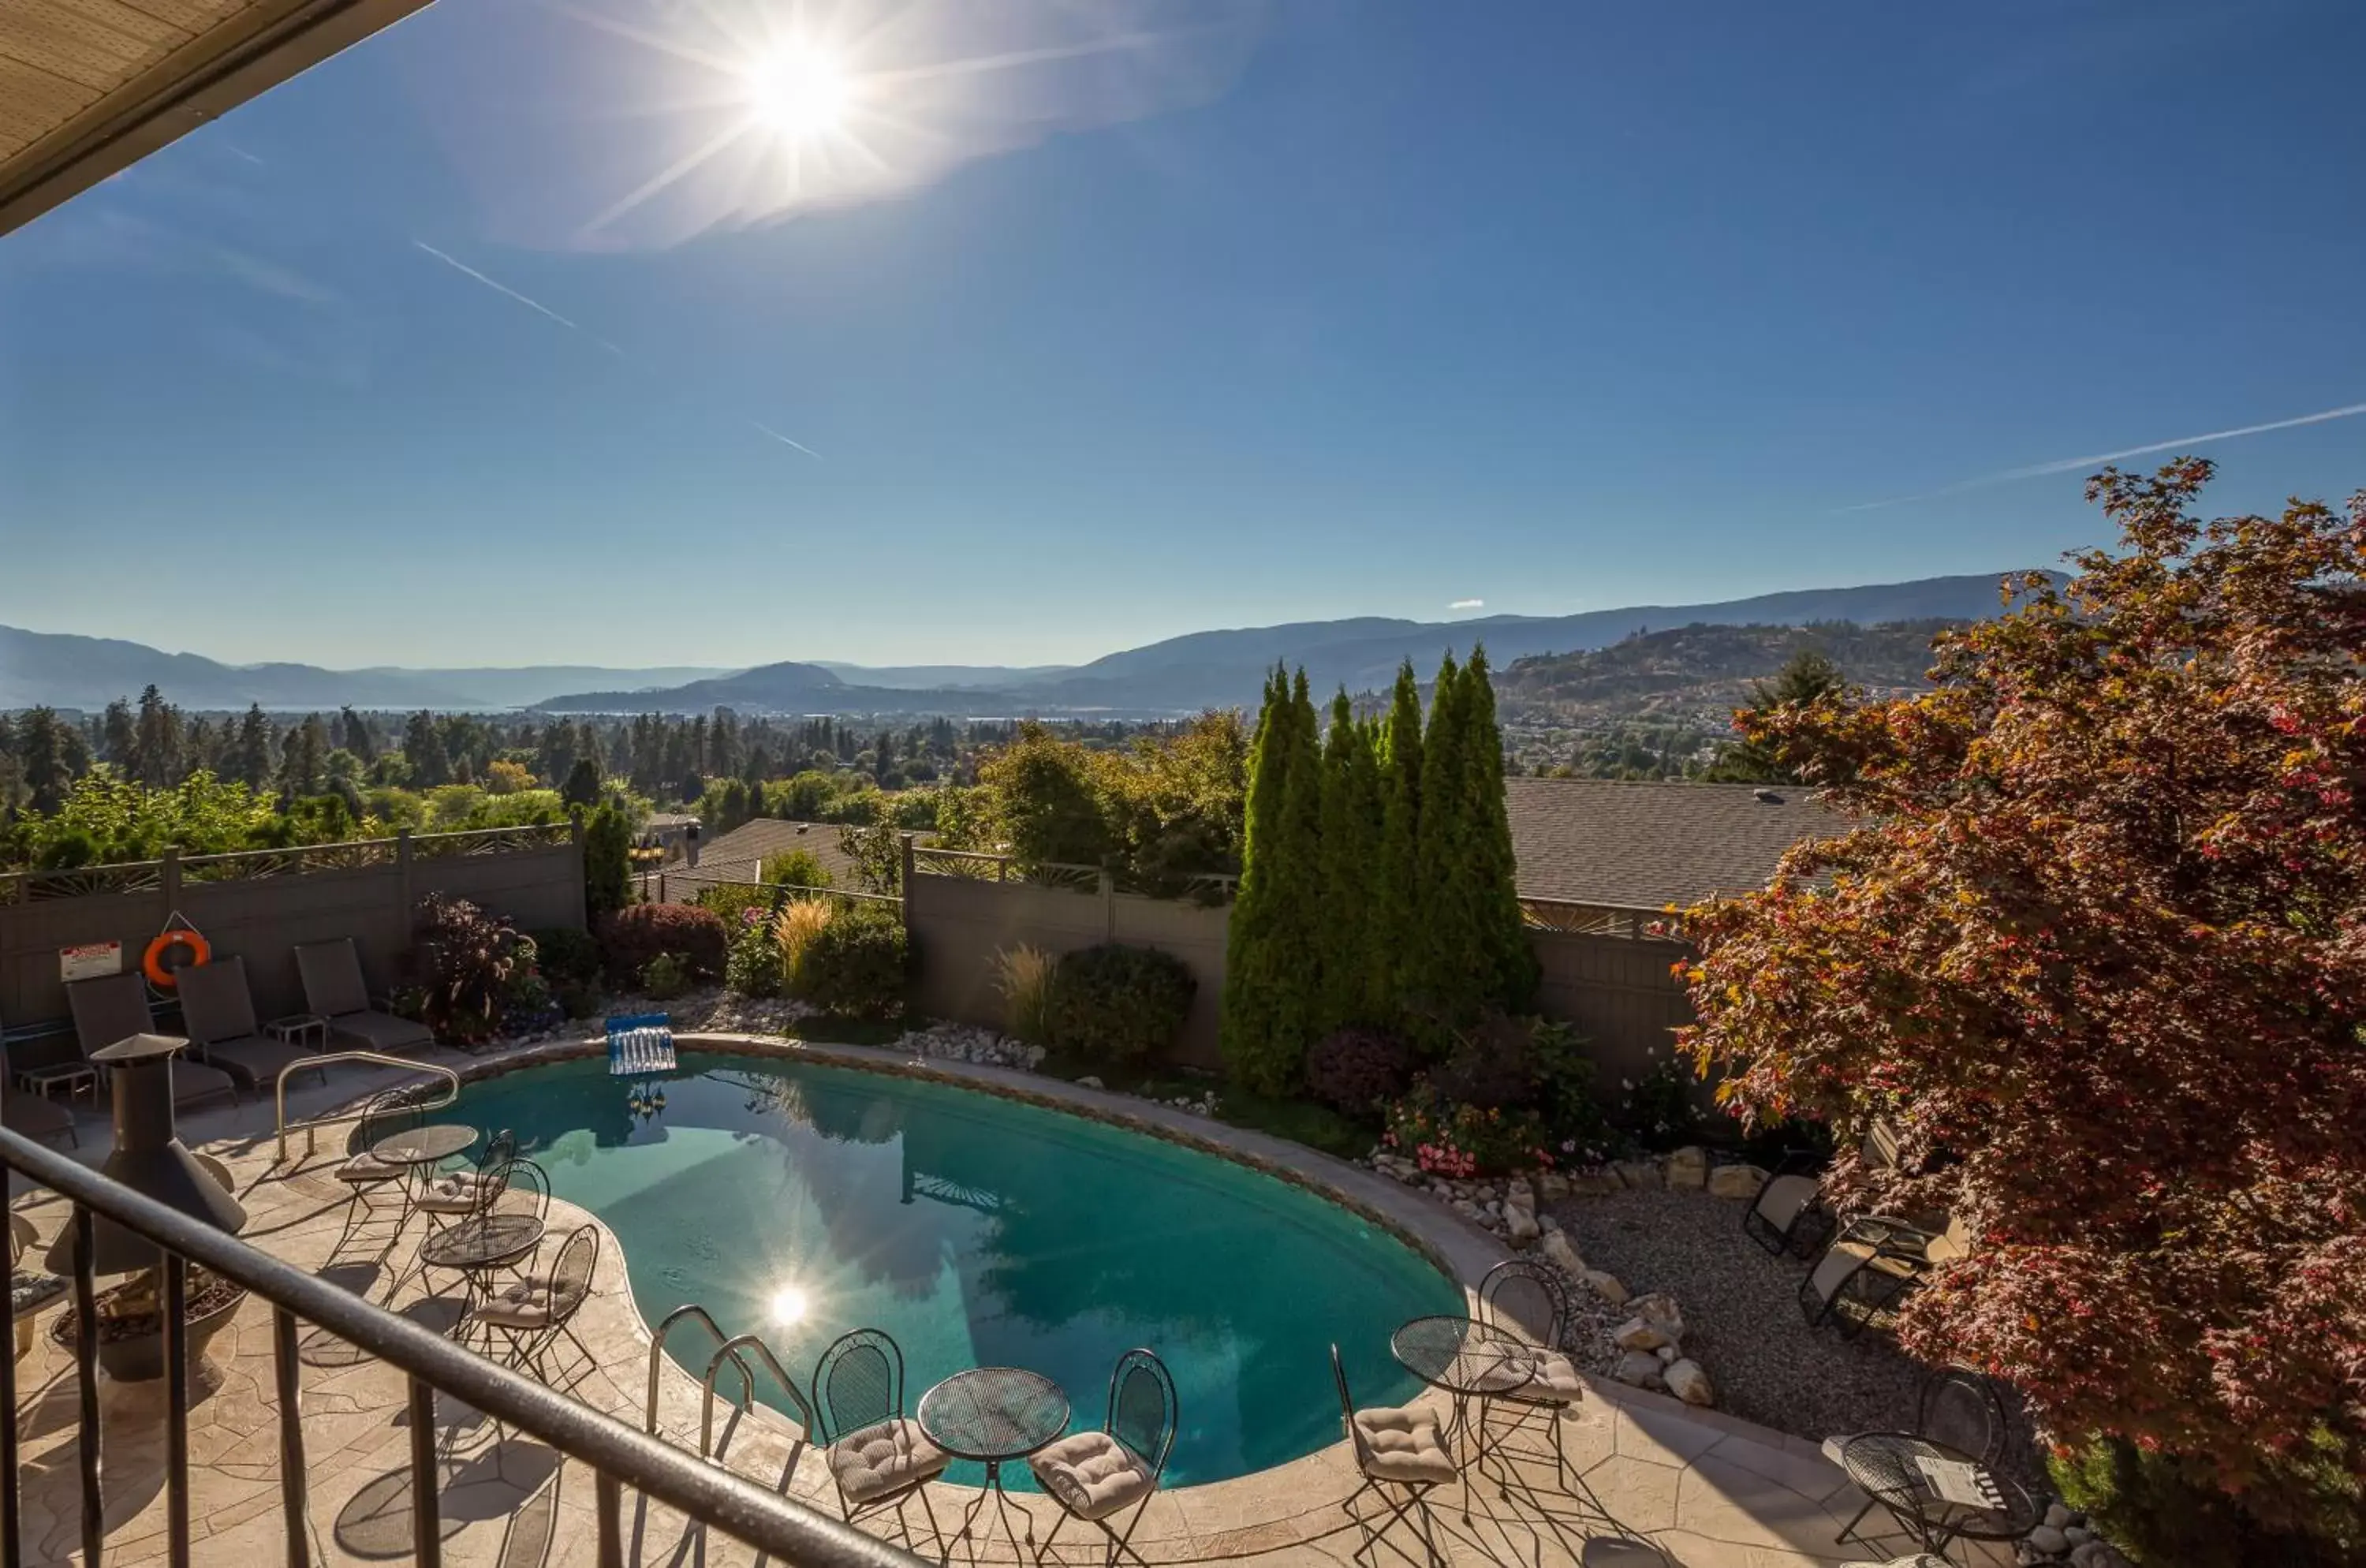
218	1010
333	987
114	1007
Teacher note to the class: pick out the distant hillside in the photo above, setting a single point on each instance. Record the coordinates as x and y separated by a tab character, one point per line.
923	677
64	670
1699	674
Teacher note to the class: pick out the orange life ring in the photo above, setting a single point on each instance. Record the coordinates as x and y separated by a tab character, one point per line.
153	966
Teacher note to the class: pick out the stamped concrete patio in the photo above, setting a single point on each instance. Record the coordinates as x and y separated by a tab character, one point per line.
1707	1490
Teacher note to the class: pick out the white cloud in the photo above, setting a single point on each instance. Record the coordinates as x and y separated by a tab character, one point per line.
1468	604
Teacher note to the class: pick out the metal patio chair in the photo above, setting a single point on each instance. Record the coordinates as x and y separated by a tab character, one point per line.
457	1195
395	1110
1874	1260
534	1313
878	1458
1095	1476
1395	1446
1529	1298
1788	1216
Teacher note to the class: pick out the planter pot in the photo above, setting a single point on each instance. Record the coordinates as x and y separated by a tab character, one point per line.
132	1351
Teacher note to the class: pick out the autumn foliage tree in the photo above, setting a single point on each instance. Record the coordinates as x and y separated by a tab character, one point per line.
2096	949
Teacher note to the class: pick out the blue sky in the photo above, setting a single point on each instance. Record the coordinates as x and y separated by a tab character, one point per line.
1168	316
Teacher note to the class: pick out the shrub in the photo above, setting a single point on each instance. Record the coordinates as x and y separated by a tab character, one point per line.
467	962
1355	1068
1023	975
2308	1510
578	1000
798	868
1458	1139
854	965
1118	1002
1658	1110
733	902
754	968
795	927
631	937
566	954
664	977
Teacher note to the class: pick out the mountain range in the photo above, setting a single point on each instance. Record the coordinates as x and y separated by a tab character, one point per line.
1179	674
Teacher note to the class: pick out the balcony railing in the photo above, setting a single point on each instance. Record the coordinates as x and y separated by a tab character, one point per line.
618	1455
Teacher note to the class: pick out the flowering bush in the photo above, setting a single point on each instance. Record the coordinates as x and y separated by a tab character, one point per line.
467	963
755	967
1460	1140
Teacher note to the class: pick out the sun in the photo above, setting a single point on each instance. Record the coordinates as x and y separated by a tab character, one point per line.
799	91
789	1306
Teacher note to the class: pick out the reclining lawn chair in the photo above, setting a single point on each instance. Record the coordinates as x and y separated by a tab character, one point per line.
218	1010
333	987
115	1008
1874	1260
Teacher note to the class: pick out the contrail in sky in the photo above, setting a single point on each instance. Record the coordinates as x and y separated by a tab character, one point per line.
539	308
2067	464
536	306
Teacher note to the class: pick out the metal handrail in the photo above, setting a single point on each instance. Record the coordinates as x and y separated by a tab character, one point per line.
771	1523
656	1352
731	1349
314	1063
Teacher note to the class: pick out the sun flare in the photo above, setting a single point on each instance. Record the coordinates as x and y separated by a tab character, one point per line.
800	91
789	1306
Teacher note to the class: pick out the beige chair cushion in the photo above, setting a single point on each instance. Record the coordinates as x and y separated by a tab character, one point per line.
886	1458
455	1193
1402	1444
527	1303
366	1169
1552	1379
1092	1474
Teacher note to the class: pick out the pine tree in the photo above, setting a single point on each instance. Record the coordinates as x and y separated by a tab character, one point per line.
423	747
252	754
45	759
1397	938
1296	939
1452	969
1247	1029
1354	986
1493	869
118	740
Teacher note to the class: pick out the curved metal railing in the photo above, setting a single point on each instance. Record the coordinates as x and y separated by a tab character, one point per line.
314	1063
657	1355
731	1349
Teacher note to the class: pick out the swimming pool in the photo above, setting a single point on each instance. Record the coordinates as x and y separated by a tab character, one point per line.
979	1232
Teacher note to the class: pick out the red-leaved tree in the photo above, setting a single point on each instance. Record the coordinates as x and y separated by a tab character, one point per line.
2097	947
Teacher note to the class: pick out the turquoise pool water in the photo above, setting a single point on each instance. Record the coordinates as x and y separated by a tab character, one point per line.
979	1232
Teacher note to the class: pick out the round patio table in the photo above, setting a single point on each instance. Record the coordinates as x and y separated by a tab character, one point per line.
1469	1359
475	1247
424	1145
1883	1464
993	1415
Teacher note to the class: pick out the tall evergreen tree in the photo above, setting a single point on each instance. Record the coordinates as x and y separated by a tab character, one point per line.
252	753
1355	983
118	737
1399	938
1252	977
1450	968
156	742
1808	676
1489	864
353	735
45	759
423	747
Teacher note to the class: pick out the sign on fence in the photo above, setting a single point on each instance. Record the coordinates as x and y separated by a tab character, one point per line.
90	961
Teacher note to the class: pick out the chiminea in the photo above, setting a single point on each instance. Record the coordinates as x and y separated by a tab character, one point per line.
150	1159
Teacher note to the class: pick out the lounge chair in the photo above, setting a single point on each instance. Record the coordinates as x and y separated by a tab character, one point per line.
1529	1299
877	1458
1395	1446
333	987
36	1116
1095	1476
114	1007
535	1311
218	1010
1874	1260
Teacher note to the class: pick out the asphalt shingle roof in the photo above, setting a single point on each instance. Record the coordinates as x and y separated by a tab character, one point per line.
1645	845
739	855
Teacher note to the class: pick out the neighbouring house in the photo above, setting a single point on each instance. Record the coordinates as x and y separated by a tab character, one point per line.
674	834
739	857
1608	854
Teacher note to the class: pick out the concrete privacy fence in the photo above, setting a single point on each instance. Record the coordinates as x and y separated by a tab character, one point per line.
963	911
258	905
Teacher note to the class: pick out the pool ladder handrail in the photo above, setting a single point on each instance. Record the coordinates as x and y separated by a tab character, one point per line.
318	1063
730	1351
657	1354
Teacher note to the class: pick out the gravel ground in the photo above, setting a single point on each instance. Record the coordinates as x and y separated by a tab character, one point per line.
1742	1314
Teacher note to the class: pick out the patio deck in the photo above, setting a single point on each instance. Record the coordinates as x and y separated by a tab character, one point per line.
1710	1491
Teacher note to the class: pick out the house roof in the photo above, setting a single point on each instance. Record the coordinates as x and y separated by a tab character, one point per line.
739	855
90	86
1647	845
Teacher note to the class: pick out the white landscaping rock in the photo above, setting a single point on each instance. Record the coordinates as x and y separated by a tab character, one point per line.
1688	1167
2058	1514
1638	1370
1658	1310
2049	1539
1688	1382
1521	1225
1637	1335
1637	1173
1088	1082
1555	1249
1594	1183
1606	1286
1741	1181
